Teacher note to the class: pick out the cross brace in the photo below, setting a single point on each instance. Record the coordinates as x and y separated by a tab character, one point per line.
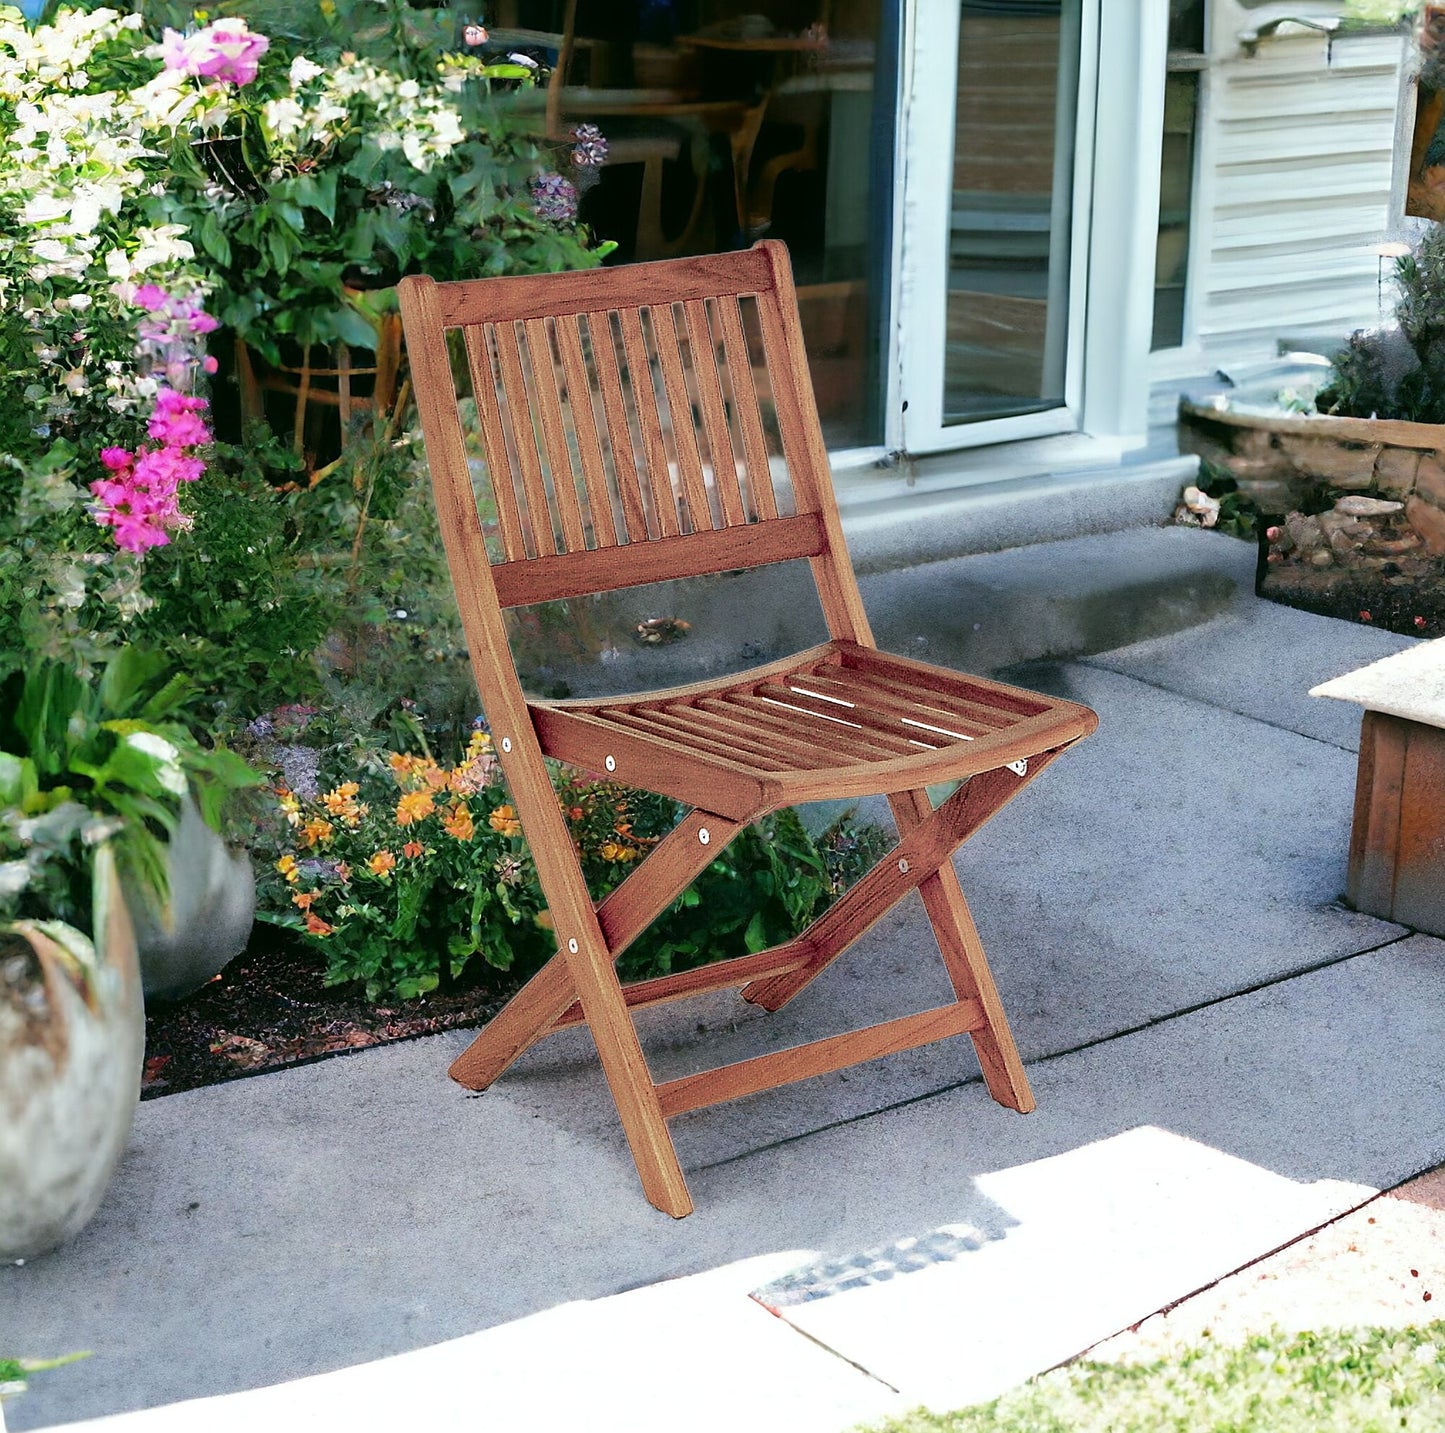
770	978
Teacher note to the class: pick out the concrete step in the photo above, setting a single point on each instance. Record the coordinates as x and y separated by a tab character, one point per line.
978	613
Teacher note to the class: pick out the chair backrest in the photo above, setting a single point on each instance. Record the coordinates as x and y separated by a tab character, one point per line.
623	428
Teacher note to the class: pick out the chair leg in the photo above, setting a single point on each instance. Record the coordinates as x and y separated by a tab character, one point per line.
625	1066
968	969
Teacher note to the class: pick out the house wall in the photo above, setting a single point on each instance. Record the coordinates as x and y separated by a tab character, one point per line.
1296	185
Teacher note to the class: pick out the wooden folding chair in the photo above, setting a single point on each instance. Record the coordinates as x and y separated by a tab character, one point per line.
591	495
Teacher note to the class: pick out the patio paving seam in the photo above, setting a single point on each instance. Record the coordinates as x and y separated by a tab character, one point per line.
1055	1055
1096	666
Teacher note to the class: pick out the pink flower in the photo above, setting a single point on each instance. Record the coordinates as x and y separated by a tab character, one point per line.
149	296
177	421
202	322
226	51
118	460
209	364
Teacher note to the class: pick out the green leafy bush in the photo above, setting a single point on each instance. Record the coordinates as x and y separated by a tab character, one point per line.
408	873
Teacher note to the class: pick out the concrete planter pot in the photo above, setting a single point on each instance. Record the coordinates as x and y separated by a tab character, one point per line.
207	918
72	1041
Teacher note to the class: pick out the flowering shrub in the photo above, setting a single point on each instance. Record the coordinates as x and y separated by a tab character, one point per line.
406	871
333	173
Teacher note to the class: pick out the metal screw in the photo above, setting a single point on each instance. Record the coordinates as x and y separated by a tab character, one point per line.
572	946
703	835
1019	768
903	866
506	743
612	763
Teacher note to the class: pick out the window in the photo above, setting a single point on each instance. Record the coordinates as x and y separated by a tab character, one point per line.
1176	169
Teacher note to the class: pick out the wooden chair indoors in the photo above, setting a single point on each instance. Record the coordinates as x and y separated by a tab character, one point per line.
579	511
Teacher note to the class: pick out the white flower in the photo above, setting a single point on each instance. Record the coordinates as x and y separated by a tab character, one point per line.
117	265
302	70
44	209
75	382
160	246
80	302
283	117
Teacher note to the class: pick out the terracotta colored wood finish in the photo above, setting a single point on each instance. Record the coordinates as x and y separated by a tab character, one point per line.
1397	843
579	379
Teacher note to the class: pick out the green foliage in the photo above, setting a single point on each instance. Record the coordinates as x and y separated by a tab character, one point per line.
72	750
407	874
1238	516
353	183
1360	1381
238	598
1400	372
15	1372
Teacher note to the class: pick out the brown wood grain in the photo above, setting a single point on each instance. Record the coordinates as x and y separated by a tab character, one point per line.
839	720
767	1072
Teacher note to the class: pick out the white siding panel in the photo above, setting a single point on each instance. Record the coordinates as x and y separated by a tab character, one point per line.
1302	153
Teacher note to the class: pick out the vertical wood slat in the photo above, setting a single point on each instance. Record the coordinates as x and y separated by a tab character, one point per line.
524	440
499	465
714	415
644	400
684	434
584	426
549	409
745	401
806	454
619	437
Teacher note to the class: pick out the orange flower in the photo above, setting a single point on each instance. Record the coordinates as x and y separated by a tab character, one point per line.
316	832
414	806
504	821
434	776
287	866
316	926
412	850
575	813
381	863
303	898
611	851
289	805
458	821
341	800
544	919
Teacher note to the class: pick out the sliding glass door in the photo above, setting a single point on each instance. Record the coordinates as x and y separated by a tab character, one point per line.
991	305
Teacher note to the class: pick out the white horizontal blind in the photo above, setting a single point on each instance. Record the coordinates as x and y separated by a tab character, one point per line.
1302	156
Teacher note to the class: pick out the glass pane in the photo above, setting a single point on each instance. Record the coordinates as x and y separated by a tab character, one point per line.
1176	200
1186	25
726	123
1010	224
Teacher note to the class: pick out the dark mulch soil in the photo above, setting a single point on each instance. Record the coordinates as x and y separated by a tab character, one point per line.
1414	611
269	1008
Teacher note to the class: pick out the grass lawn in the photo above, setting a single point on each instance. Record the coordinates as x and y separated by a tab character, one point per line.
1353	1381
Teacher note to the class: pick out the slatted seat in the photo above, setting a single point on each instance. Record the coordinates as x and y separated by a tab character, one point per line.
654	422
838	721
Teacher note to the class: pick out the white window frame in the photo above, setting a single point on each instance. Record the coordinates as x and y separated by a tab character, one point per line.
927	141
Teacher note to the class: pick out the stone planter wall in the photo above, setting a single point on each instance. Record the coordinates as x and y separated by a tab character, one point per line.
1279	459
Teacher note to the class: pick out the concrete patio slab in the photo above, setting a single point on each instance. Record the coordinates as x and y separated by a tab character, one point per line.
1161	913
1128	883
1260	659
332	1215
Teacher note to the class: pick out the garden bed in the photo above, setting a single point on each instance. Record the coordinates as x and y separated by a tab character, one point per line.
270	1008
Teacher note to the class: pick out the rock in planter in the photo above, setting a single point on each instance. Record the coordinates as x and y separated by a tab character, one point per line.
208	916
72	1039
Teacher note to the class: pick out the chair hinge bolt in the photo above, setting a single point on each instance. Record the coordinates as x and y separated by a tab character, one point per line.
506	743
1020	767
903	866
572	945
612	763
703	835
